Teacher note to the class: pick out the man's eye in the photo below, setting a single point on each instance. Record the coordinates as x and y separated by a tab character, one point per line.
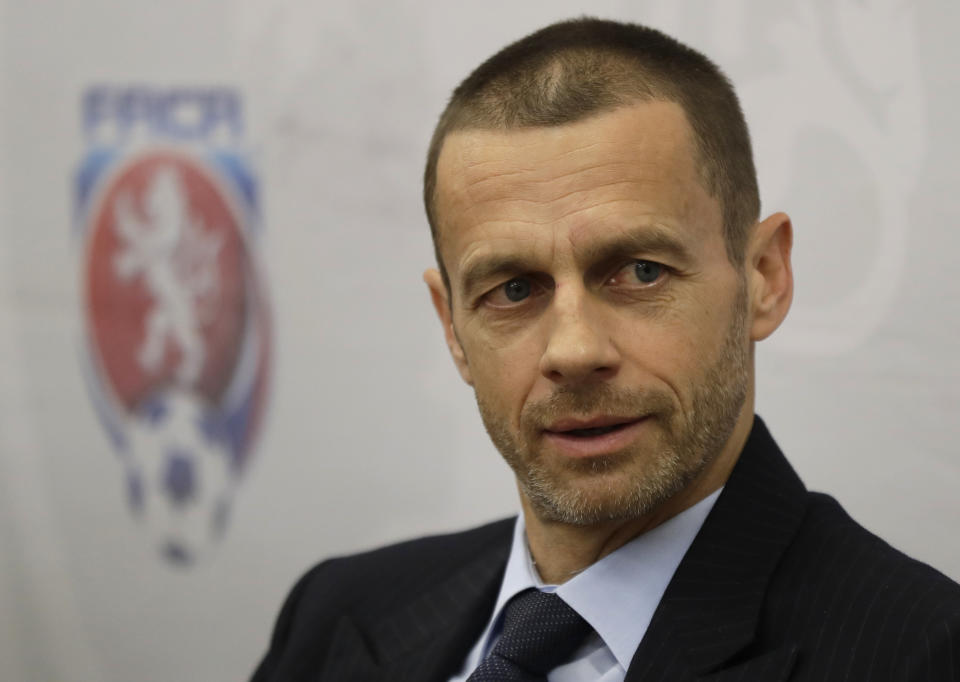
647	271
511	292
639	274
517	289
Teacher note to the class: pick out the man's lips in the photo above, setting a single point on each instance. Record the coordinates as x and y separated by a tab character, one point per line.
575	426
600	435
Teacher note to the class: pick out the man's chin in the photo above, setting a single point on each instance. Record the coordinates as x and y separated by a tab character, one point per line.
596	492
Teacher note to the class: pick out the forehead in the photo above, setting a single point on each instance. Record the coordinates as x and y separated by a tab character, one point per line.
619	170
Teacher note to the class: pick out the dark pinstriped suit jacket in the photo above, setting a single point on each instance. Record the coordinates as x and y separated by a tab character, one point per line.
780	584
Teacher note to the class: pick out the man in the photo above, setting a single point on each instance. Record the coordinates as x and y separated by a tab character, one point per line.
602	277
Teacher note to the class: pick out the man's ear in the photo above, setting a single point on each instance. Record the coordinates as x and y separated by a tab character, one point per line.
769	274
441	303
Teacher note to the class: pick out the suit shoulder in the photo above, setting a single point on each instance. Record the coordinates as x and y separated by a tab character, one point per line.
848	535
858	607
367	584
839	564
387	574
445	549
403	566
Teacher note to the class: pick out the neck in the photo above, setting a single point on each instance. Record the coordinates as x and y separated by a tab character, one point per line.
562	550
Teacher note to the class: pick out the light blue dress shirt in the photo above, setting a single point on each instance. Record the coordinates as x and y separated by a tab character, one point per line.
617	596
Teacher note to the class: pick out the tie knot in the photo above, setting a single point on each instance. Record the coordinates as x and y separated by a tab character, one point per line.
540	631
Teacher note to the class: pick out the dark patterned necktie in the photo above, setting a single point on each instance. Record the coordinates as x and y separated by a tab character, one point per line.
540	631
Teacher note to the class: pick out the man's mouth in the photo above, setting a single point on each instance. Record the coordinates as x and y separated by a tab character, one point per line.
595	431
586	428
577	437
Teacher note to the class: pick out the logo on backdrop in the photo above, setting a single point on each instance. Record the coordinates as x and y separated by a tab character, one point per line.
176	322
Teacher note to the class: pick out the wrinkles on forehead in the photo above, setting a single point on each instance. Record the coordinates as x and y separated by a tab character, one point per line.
541	165
617	170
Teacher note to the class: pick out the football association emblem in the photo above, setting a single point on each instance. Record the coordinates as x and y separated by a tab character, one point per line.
176	325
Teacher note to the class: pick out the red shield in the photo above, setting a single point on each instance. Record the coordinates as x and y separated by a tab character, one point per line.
166	280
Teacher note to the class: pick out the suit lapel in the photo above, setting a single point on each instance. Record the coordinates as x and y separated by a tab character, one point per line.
429	636
710	610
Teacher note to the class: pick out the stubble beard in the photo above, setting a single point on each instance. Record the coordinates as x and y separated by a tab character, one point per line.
634	482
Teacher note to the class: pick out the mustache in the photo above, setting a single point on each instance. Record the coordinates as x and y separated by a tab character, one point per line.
596	399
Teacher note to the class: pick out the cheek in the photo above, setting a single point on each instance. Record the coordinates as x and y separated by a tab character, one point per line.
711	342
503	375
663	353
674	347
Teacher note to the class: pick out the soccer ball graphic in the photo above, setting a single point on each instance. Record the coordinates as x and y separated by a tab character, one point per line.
180	473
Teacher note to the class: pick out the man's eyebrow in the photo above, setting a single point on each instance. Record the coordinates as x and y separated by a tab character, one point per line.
651	240
491	267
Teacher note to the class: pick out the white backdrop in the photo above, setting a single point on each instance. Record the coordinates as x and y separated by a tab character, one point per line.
369	435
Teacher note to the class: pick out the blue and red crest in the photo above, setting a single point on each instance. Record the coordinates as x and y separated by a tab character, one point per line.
176	322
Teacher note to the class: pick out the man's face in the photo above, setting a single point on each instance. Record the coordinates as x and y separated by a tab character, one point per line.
593	307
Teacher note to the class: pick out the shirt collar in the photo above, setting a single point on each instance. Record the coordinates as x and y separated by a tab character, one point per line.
618	594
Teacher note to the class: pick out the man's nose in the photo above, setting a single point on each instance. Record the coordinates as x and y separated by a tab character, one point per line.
580	346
